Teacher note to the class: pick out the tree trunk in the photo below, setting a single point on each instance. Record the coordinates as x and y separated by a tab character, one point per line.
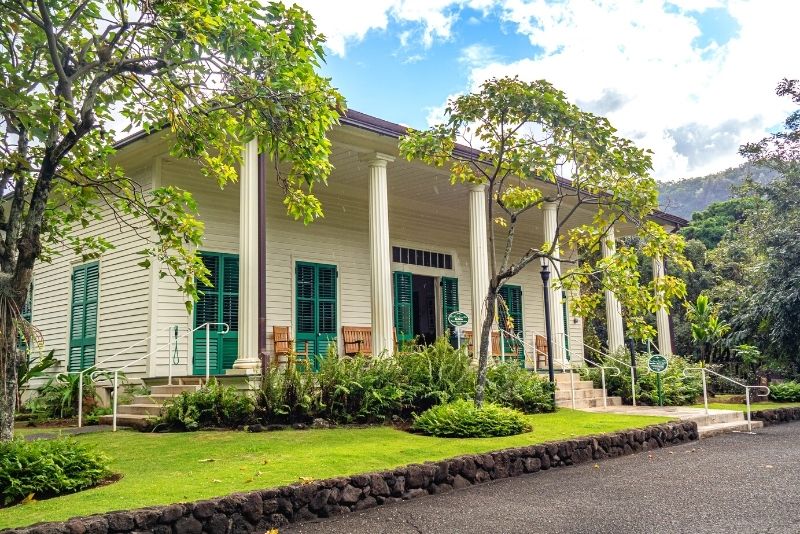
9	357
486	338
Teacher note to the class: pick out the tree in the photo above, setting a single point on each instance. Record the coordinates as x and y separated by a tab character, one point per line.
527	141
707	328
215	73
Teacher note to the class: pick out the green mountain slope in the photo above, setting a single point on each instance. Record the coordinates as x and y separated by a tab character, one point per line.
686	196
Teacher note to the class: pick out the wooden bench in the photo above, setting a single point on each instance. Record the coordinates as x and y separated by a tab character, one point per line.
357	340
495	350
284	345
541	352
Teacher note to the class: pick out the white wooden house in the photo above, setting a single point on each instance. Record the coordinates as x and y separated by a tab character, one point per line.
398	249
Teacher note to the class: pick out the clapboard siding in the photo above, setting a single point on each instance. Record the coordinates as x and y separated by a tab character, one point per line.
123	294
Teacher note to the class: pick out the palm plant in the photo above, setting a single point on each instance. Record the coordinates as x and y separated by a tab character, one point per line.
707	328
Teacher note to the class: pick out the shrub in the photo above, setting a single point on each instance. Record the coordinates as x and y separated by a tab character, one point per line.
510	385
436	374
461	419
286	396
678	390
359	389
785	392
58	398
46	468
213	405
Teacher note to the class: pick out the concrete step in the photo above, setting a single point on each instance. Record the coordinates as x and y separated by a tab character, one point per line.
156	398
592	402
579	384
566	394
173	389
716	429
717	417
152	410
130	420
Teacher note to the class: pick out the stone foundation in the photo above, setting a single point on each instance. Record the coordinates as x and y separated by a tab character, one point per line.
260	511
776	416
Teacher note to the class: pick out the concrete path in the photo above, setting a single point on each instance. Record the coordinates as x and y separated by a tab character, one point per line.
52	433
730	483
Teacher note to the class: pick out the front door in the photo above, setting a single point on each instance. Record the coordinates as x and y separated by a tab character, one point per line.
449	305
510	320
218	303
315	309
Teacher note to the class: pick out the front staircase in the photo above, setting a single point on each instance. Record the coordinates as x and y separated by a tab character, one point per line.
586	395
145	407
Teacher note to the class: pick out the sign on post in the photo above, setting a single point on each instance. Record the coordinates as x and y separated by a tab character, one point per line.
457	319
657	363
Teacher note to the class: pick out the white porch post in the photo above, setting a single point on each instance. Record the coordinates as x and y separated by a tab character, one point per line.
479	260
616	335
662	316
380	255
247	359
557	327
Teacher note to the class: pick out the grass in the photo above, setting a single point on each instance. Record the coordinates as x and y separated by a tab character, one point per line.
168	468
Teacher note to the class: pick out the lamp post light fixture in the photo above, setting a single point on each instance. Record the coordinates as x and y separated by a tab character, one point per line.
546	288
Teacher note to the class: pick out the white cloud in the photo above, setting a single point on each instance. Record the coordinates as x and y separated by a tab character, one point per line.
639	65
635	61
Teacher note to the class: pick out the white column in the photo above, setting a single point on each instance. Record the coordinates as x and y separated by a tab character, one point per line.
479	260
616	335
247	358
557	327
662	316
380	255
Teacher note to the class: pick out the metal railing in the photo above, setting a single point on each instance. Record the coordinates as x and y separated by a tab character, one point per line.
602	377
704	370
566	365
168	346
630	367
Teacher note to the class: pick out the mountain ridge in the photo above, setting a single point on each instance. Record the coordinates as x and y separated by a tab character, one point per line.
688	195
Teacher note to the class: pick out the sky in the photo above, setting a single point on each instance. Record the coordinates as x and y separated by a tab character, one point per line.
690	80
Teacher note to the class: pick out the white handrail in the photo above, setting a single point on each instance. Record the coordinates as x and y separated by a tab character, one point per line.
116	372
603	377
703	370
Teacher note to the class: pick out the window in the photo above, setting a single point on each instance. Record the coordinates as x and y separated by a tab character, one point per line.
424	258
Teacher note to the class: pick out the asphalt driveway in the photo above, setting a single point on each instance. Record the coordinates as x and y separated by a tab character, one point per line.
732	483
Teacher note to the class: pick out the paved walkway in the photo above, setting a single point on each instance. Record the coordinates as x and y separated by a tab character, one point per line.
52	433
731	483
678	412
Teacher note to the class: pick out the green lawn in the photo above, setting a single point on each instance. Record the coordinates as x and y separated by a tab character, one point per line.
753	406
167	468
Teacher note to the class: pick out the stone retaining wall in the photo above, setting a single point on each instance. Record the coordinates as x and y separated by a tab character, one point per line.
776	416
259	511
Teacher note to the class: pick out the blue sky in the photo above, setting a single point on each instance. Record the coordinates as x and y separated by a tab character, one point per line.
689	79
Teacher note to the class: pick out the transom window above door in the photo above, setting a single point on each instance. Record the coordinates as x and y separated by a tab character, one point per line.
423	258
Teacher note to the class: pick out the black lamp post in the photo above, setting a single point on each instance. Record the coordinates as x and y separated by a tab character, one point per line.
546	288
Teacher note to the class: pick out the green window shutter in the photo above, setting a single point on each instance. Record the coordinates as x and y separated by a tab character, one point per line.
305	307
403	306
512	297
449	305
565	309
27	308
218	303
83	317
315	307
326	308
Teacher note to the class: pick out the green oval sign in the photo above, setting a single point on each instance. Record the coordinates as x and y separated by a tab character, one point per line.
657	363
457	318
